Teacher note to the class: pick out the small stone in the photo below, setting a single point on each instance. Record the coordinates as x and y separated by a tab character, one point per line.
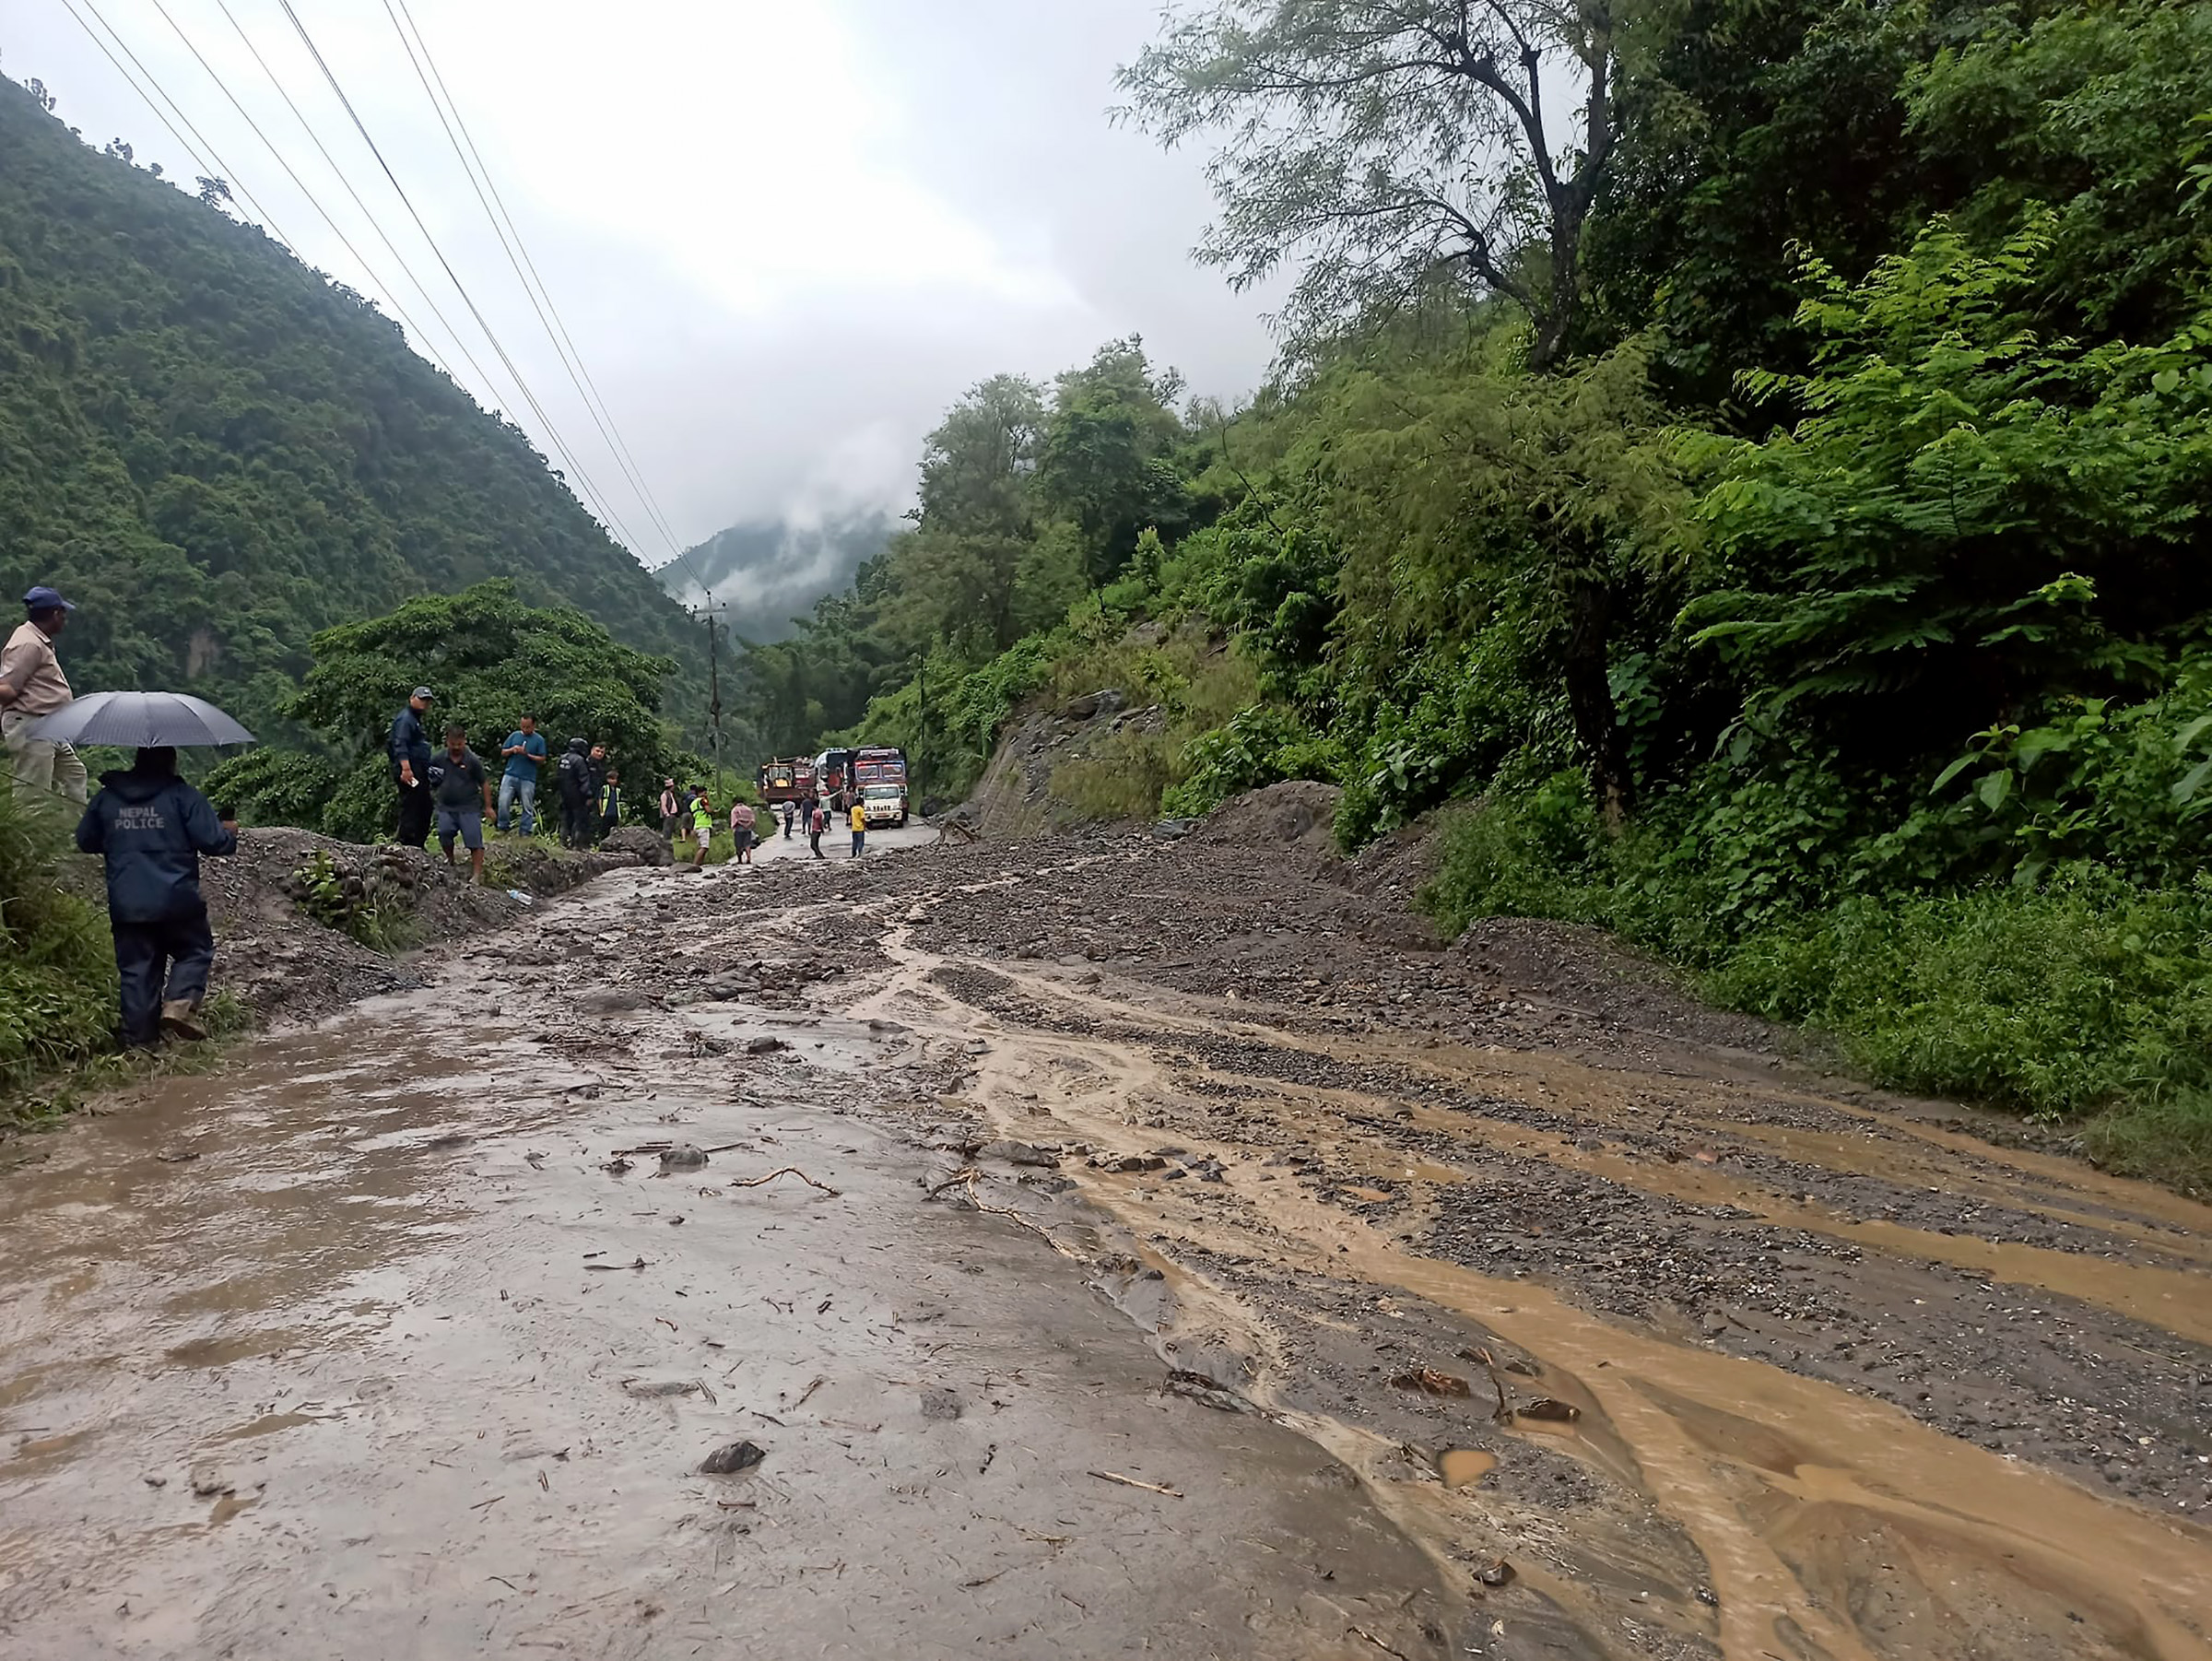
736	1456
683	1157
940	1405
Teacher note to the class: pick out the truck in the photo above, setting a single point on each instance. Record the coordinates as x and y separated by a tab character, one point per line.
833	777
879	773
786	779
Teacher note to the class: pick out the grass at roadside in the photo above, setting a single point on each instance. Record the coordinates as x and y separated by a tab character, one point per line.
57	960
2083	1000
32	1101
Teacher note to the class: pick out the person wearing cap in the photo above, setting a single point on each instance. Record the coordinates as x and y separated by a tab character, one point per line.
410	749
32	686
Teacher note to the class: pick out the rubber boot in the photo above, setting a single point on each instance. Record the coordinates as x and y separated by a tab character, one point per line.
180	1019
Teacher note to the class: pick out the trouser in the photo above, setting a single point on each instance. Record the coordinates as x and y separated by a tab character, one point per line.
814	841
414	814
860	841
511	787
184	947
576	823
41	766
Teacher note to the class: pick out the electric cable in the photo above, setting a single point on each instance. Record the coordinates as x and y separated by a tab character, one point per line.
375	224
220	169
518	257
313	201
583	478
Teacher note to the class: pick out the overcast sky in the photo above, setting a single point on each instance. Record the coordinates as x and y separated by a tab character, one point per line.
783	236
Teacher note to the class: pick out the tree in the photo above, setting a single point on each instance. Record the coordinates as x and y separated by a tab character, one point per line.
490	659
1391	138
1971	517
1452	486
1106	455
977	465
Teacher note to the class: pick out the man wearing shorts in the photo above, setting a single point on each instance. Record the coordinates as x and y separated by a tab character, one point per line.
461	797
703	827
741	830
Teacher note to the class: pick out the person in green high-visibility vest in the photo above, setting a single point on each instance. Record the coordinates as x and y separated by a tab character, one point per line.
703	827
610	803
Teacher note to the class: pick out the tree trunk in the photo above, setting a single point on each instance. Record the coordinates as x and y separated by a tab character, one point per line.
1587	672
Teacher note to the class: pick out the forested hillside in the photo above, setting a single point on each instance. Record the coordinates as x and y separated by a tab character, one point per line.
1775	506
217	452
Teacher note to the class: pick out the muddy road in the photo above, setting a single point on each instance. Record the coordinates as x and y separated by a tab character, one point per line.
1214	1267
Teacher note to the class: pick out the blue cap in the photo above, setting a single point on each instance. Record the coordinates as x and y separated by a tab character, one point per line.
46	599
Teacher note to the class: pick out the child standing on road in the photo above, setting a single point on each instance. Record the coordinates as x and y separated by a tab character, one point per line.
860	828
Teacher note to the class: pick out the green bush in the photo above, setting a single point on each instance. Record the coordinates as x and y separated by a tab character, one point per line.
2085	997
57	961
1264	744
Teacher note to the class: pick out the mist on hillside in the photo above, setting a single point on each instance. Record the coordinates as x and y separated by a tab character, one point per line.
771	571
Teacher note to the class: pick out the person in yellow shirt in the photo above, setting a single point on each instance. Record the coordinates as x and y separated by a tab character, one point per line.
860	828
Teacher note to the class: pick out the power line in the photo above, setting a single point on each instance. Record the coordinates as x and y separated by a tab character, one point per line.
220	169
583	478
184	143
311	200
518	257
375	224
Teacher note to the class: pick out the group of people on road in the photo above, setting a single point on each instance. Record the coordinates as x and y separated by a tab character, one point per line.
452	788
687	820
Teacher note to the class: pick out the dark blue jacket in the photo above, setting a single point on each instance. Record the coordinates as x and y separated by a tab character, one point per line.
153	828
409	742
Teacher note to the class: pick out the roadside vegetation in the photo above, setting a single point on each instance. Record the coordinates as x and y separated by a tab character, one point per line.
1778	529
57	964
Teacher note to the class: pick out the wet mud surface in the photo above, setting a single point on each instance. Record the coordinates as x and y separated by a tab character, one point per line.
1461	1315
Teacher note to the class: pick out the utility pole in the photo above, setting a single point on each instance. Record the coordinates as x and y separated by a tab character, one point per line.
714	689
920	731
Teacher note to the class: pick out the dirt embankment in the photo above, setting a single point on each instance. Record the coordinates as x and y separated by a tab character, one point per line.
1014	798
287	965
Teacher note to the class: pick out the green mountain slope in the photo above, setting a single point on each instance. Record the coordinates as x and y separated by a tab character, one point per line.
771	571
217	452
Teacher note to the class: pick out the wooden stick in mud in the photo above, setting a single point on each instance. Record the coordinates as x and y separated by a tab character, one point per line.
753	1182
1150	1488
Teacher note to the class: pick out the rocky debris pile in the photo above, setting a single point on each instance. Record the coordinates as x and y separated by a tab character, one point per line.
648	847
774	982
1298	813
287	965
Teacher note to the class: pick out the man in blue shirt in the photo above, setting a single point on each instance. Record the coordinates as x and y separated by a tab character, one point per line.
410	747
152	828
525	753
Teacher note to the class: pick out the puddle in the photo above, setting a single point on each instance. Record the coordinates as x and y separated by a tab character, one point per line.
1464	1466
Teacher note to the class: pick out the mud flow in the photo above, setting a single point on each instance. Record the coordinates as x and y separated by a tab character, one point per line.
1109	1251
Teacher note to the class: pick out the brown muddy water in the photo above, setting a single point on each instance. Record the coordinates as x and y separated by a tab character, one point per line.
1139	1323
357	1350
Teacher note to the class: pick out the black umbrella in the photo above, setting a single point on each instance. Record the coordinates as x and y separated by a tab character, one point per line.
140	720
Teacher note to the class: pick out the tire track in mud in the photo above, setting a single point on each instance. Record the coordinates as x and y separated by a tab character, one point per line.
1832	1524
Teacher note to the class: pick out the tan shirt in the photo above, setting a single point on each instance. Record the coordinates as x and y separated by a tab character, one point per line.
31	673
